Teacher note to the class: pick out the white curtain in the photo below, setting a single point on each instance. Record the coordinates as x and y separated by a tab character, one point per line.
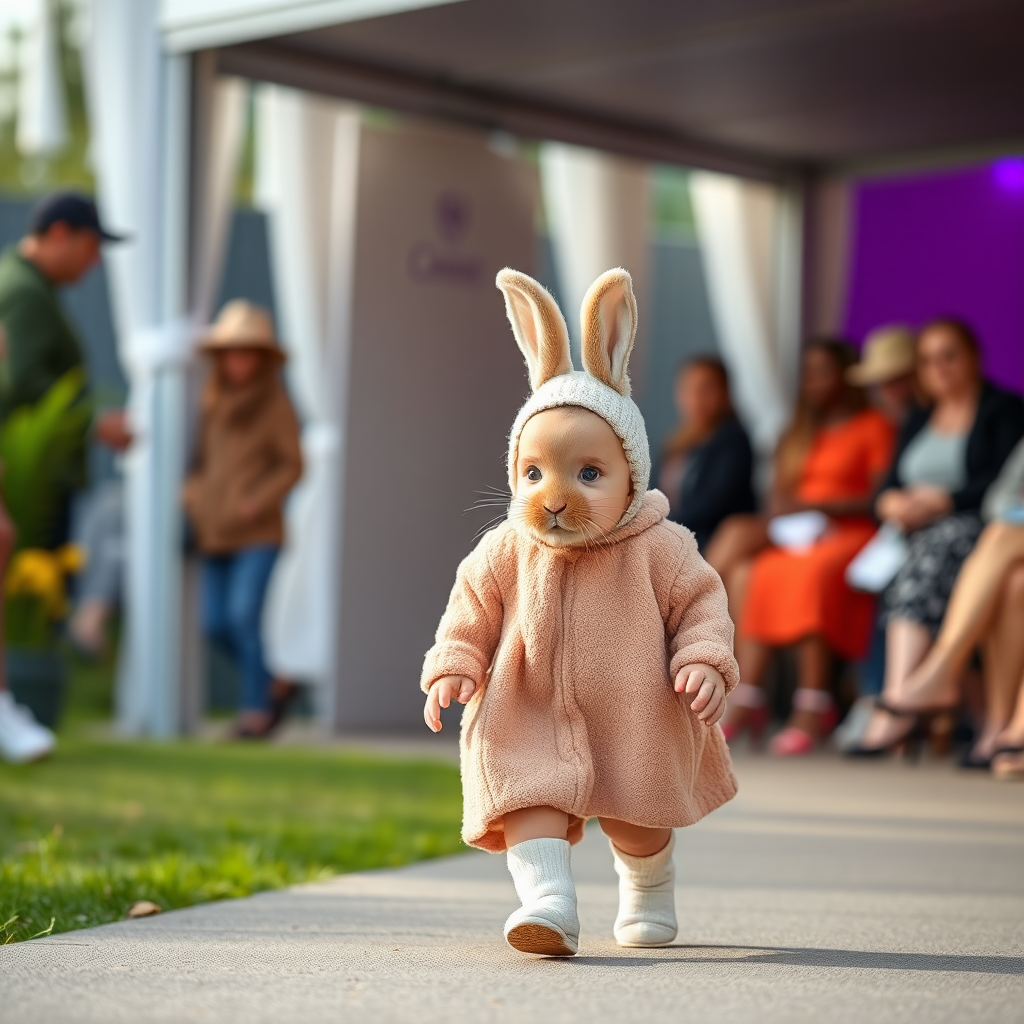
217	132
306	174
599	214
139	105
749	236
42	118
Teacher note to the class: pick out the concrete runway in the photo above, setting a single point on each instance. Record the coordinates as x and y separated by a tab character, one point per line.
825	892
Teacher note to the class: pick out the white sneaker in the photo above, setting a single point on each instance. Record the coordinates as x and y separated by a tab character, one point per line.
22	738
546	923
647	898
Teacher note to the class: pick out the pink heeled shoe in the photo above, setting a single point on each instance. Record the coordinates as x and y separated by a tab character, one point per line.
791	742
754	722
794	742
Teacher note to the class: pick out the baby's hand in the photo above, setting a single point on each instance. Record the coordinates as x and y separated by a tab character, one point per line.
440	696
708	684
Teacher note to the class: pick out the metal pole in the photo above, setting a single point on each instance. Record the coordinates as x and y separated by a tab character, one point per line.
164	602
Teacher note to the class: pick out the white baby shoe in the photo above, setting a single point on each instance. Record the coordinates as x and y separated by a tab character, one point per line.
22	738
546	923
647	903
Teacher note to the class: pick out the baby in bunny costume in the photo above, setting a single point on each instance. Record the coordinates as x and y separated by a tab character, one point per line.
589	640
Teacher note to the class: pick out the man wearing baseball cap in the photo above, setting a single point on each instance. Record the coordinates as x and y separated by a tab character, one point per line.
38	346
62	245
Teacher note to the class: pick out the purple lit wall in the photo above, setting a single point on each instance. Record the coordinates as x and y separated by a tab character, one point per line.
947	243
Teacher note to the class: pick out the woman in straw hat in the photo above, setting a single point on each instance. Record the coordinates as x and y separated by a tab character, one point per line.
886	369
248	461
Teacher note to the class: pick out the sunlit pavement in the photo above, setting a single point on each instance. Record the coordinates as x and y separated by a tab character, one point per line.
825	892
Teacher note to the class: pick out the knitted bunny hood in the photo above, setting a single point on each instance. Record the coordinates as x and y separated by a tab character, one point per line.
608	330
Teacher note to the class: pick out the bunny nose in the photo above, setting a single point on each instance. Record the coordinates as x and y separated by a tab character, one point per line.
555	511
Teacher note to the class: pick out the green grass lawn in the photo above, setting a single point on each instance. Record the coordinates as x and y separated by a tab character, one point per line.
105	823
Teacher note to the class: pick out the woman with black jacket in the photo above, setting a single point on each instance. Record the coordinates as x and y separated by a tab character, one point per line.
708	463
948	455
995	431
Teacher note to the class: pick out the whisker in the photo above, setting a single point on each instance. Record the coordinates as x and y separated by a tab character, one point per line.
483	529
587	524
487	526
485	504
586	538
494	518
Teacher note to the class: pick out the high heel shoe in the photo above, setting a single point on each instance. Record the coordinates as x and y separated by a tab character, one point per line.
754	722
794	741
975	761
909	740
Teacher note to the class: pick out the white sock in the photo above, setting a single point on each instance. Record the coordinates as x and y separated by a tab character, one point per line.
647	903
547	922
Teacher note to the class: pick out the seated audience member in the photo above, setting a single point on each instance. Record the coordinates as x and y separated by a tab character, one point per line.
707	464
986	610
829	461
948	455
886	372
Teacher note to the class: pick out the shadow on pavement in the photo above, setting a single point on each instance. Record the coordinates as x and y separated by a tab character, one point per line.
791	957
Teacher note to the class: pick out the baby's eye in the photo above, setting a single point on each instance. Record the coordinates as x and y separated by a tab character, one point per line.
533	473
589	474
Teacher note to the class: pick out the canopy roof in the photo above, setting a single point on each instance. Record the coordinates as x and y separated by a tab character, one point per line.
753	86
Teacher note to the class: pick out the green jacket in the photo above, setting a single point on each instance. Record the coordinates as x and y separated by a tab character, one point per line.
41	344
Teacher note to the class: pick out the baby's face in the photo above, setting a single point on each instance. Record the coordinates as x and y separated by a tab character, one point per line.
572	478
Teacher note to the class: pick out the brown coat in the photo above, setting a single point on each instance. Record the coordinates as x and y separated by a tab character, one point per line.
248	455
575	651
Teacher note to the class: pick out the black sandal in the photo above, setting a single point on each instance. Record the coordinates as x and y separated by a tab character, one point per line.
912	738
971	760
1018	749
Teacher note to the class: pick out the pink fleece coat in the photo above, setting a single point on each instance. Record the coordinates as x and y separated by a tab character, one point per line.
574	652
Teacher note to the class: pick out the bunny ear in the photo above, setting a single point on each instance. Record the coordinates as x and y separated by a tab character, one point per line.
608	329
537	324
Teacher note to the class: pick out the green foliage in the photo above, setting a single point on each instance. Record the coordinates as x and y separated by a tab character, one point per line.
104	824
69	168
90	692
245	182
673	210
37	443
27	626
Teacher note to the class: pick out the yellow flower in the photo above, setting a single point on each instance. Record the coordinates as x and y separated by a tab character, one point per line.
35	572
72	558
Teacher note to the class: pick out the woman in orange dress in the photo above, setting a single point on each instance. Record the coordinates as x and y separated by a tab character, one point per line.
830	460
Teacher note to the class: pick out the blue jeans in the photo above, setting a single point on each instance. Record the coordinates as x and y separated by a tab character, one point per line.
233	589
871	671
